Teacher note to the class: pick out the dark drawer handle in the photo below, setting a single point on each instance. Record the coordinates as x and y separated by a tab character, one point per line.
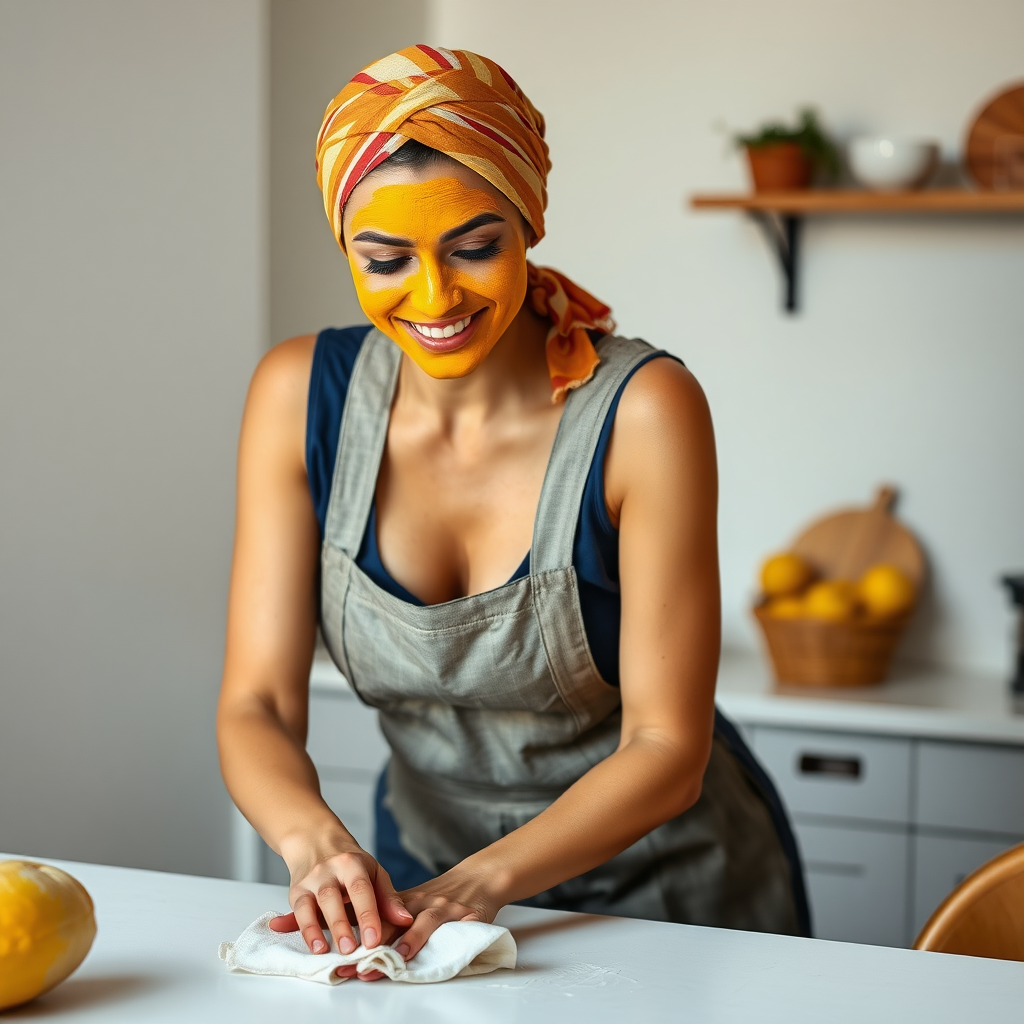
824	764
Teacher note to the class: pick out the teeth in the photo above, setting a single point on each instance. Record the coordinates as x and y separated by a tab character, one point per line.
443	332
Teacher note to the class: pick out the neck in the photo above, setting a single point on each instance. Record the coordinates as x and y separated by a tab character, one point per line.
513	376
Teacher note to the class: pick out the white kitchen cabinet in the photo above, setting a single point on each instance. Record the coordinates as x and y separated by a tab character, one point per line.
896	792
842	775
970	786
351	799
344	733
856	882
941	862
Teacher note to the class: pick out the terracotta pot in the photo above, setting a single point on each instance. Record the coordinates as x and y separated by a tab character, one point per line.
779	167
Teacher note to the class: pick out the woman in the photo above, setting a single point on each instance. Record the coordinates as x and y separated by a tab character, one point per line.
553	727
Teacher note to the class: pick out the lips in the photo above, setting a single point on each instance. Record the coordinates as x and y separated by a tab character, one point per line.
442	336
447	331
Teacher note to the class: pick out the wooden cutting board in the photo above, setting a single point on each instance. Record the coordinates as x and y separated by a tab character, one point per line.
994	153
843	545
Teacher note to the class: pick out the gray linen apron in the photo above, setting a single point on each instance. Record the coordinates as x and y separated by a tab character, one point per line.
492	704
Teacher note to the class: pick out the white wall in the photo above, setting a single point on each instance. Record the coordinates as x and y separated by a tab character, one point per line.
316	46
132	270
907	359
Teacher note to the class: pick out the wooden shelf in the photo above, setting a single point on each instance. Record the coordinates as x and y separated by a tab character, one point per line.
810	201
781	214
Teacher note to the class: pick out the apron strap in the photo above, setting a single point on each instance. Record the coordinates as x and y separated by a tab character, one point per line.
586	409
364	431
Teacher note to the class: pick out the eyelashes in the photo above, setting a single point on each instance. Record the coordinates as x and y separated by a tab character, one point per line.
484	252
385	266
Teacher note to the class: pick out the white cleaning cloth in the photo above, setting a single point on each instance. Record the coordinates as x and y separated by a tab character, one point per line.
457	948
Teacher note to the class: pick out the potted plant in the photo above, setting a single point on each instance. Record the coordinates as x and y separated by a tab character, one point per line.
783	158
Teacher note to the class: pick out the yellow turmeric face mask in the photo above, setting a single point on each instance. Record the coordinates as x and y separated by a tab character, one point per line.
440	268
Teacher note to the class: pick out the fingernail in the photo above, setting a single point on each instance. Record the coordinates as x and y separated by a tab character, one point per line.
369	938
319	946
403	951
404	913
346	945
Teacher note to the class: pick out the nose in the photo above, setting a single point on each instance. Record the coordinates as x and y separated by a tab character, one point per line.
435	291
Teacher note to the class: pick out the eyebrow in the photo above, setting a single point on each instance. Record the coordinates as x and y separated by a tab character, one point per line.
404	243
376	236
471	225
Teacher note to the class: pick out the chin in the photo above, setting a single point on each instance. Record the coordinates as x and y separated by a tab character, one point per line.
446	365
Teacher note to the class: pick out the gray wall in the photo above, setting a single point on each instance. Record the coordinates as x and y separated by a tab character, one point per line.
316	46
132	270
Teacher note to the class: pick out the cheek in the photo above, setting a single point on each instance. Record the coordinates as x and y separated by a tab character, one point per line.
502	280
377	294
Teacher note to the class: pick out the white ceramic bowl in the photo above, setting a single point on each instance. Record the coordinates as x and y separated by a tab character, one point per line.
891	164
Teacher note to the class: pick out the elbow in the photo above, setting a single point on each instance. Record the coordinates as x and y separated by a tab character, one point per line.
684	780
686	794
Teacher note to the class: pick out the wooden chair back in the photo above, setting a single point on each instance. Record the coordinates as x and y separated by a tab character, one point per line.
984	915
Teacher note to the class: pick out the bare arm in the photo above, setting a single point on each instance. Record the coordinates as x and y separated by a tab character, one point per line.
661	487
272	613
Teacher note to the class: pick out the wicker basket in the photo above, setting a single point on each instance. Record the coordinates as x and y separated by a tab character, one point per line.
812	652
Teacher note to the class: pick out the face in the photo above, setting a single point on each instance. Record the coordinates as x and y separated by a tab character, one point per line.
438	256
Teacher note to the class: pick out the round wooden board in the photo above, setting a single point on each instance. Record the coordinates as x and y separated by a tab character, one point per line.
994	153
846	543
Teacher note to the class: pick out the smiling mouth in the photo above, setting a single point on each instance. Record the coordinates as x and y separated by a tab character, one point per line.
442	337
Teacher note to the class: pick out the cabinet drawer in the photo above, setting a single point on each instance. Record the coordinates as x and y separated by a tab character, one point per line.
856	883
344	733
941	863
838	774
968	786
353	803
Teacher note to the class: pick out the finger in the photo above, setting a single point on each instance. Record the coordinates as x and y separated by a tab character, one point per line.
426	923
371	976
306	916
284	923
364	903
347	972
389	901
332	906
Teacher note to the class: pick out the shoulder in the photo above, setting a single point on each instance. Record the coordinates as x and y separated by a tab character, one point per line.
281	379
662	438
662	394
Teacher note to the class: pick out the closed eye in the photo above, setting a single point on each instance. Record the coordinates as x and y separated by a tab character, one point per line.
385	266
484	252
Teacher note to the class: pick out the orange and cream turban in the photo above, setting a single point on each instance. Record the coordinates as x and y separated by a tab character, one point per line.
468	108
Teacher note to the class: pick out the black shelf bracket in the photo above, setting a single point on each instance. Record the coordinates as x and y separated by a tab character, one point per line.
782	231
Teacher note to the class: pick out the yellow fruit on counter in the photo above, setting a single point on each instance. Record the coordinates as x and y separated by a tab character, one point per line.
785	574
831	600
46	928
885	591
787	608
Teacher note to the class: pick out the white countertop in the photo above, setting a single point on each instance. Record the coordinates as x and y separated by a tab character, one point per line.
155	959
924	703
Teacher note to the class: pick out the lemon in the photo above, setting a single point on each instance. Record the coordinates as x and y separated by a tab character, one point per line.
787	608
785	574
46	929
832	600
885	591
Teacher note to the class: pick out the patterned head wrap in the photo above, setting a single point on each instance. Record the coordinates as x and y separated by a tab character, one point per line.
468	108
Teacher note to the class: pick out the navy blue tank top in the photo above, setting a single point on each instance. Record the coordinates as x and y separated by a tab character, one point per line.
596	546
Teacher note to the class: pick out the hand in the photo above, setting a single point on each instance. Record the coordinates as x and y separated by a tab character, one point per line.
335	888
461	894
